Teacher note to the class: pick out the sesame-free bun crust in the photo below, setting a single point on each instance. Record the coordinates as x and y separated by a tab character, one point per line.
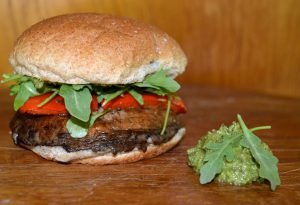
95	48
89	157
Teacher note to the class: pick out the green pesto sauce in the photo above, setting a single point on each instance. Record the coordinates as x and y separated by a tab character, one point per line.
242	170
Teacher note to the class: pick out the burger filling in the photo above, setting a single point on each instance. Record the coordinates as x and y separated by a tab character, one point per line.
117	131
110	118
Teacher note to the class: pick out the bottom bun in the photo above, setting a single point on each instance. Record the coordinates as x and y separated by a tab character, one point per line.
59	154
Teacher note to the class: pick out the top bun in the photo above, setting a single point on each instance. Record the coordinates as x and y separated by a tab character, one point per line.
95	48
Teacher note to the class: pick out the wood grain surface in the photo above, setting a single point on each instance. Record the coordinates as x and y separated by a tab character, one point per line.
28	179
248	44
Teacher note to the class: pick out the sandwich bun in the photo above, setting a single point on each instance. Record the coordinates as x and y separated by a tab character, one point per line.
89	48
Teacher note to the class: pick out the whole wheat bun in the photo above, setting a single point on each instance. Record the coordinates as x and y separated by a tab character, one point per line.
89	157
95	48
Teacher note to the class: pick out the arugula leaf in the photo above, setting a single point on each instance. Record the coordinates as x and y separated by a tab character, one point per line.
214	158
10	77
77	128
48	98
100	98
95	116
159	79
266	160
155	91
170	85
77	102
14	89
80	86
110	96
138	97
145	85
77	86
26	91
166	116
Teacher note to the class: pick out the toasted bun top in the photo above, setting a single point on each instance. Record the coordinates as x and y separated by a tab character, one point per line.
95	48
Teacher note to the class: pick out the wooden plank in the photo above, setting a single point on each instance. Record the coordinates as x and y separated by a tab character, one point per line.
27	178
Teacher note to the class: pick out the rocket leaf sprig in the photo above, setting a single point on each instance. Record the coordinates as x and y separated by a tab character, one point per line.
224	150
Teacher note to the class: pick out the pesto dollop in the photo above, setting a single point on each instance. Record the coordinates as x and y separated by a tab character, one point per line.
222	155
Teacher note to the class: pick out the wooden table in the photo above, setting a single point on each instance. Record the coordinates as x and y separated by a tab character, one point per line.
27	178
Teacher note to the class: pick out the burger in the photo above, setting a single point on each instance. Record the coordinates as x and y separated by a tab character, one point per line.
96	89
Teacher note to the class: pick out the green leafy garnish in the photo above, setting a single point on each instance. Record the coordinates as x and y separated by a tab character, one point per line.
96	115
77	86
110	96
214	159
26	87
78	97
48	98
234	155
137	96
77	102
26	91
14	89
266	160
10	77
159	81
79	129
166	116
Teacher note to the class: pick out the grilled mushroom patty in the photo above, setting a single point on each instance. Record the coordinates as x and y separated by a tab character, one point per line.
117	131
